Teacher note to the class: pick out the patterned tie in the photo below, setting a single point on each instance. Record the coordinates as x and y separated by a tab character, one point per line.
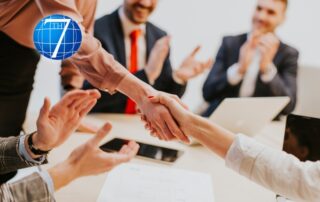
133	67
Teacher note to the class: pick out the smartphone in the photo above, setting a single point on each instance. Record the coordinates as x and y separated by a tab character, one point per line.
147	151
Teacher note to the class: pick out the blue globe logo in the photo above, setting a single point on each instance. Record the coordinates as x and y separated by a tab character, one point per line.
57	37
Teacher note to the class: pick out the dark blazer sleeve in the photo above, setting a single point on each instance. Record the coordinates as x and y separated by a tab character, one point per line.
166	83
285	81
217	83
30	188
10	159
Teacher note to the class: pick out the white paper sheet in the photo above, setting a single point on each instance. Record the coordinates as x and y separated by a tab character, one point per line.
140	183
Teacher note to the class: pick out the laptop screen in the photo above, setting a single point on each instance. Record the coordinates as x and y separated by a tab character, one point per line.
302	137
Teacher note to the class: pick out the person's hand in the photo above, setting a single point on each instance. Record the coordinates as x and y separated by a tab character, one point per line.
191	67
157	57
89	159
268	46
160	121
55	125
156	131
177	109
247	52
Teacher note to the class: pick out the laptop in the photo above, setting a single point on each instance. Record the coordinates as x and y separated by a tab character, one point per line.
302	139
248	115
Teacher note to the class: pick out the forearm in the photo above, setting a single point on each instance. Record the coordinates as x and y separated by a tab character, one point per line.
62	174
275	170
209	134
135	89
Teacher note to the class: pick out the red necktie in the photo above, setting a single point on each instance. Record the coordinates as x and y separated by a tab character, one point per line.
133	67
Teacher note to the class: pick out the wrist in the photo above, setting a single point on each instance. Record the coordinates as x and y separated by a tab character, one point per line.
264	67
37	143
136	89
62	174
178	78
242	69
26	145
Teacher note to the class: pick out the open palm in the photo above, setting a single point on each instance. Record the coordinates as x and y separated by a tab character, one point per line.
56	125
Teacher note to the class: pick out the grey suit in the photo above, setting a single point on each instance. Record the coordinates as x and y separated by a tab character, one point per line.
10	158
30	188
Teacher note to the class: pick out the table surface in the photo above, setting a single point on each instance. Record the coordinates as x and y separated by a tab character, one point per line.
227	185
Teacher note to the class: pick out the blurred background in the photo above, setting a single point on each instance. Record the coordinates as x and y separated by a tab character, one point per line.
205	22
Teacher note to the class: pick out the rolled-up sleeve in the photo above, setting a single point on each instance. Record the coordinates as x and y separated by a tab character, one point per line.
276	170
95	64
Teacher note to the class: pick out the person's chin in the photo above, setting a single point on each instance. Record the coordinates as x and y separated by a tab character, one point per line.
139	20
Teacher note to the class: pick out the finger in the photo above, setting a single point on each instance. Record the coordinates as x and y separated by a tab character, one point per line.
83	102
78	104
94	93
209	63
83	112
124	149
156	99
157	130
102	132
45	109
197	69
116	158
175	130
176	98
168	135
70	97
170	103
195	51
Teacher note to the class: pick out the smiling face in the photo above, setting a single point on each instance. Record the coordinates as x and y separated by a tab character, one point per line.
268	15
138	11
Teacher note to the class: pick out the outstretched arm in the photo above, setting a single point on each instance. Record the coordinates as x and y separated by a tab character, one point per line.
275	170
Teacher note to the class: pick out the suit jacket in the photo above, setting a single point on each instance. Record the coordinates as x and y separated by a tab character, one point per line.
30	188
108	30
10	158
217	87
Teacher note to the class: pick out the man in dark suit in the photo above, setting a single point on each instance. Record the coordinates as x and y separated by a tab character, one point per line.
143	48
256	64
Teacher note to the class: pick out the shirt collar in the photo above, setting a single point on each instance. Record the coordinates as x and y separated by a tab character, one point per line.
127	25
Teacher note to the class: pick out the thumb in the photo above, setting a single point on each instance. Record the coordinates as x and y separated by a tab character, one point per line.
102	133
45	109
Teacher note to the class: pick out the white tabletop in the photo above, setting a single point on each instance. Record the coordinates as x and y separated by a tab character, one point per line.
227	185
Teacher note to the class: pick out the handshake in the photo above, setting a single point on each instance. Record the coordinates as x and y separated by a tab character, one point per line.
165	116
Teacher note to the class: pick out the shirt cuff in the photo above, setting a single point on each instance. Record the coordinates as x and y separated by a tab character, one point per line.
47	178
242	154
233	75
269	74
23	152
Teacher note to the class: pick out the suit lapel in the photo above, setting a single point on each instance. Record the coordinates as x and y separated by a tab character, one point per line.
150	39
118	38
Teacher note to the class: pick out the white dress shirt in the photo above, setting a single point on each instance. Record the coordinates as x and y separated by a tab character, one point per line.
276	170
128	27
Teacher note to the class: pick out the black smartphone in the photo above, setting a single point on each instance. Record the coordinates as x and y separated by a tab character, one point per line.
148	151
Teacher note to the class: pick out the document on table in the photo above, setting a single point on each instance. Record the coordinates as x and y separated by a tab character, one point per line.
140	183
